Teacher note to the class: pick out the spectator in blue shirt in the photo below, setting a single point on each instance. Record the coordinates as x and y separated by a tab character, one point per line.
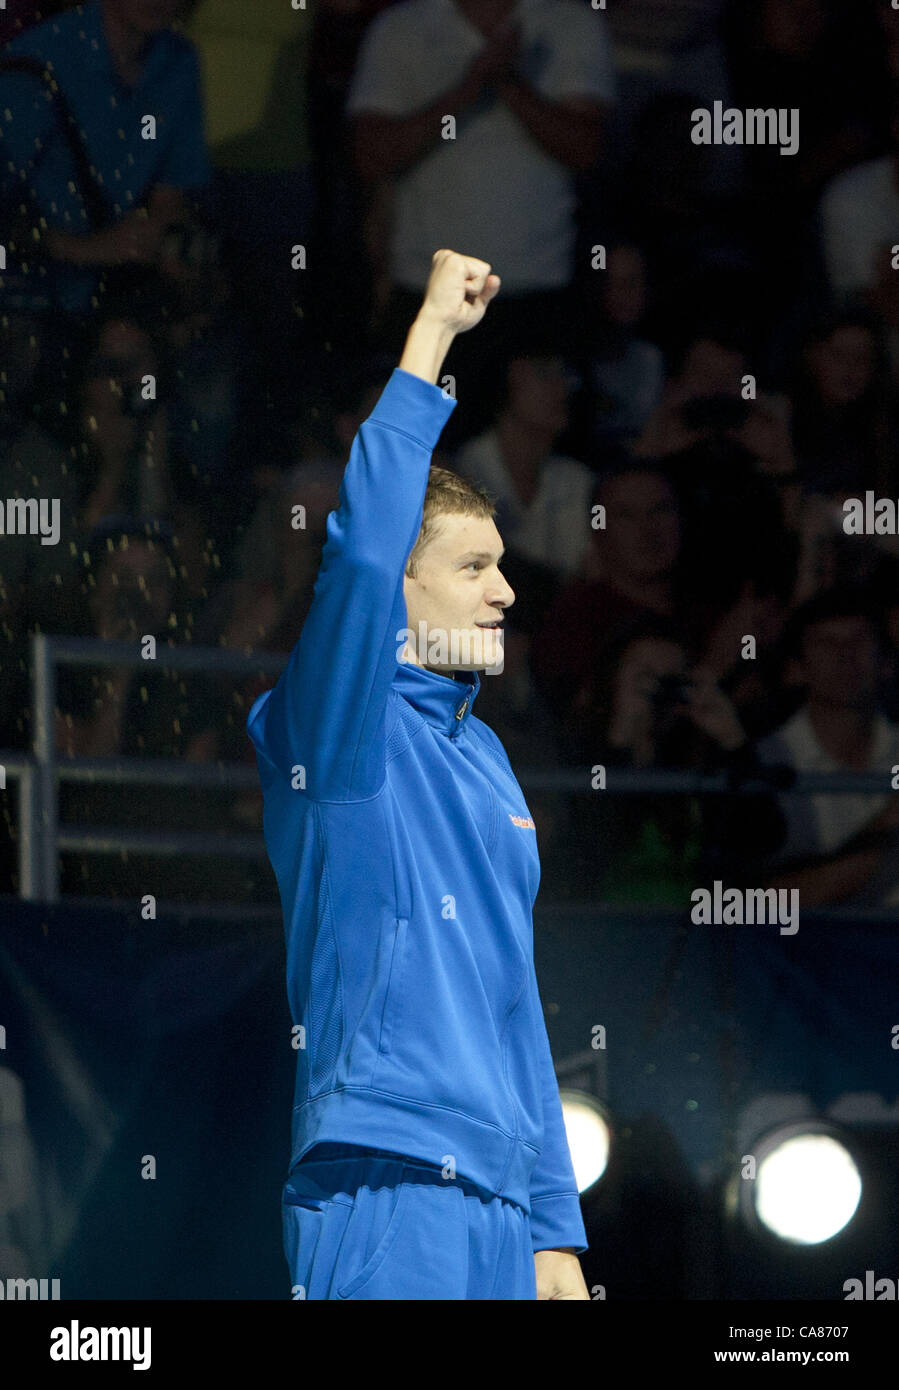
115	63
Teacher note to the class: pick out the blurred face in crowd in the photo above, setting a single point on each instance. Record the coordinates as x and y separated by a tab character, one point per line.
840	663
625	286
643	535
124	356
133	594
125	344
711	369
889	37
20	346
893	627
486	14
300	547
346	424
102	418
645	665
793	26
147	16
539	392
458	588
842	366
655	657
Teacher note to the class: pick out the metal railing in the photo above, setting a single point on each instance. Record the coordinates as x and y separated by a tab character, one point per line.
42	838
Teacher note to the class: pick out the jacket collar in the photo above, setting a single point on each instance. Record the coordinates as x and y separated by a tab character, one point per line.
442	701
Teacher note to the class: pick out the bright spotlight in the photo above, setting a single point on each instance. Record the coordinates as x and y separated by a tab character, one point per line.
589	1136
807	1186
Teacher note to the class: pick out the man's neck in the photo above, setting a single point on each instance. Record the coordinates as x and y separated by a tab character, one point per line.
127	46
846	735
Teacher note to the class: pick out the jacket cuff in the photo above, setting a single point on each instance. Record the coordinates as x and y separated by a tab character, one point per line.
414	406
557	1222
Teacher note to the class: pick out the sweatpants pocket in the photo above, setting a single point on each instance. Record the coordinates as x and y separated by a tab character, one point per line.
313	1231
374	1226
412	1240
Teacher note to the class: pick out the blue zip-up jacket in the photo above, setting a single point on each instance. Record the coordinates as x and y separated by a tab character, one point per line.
407	866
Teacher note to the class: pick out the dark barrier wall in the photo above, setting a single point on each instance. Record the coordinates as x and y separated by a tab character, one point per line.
702	1019
135	1038
129	1041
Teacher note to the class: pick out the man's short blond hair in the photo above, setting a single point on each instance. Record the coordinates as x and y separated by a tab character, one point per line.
447	495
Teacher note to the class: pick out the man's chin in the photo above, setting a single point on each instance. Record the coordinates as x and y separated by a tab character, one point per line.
486	666
460	650
465	668
492	655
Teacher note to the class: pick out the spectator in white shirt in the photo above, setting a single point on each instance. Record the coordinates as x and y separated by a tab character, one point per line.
527	113
543	498
859	218
479	114
838	847
626	372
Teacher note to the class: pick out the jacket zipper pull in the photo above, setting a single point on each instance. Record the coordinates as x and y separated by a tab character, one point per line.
460	712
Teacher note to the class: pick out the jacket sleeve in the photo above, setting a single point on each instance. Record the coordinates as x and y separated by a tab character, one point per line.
556	1220
327	712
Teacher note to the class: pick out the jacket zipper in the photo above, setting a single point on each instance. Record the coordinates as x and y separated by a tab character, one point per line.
460	714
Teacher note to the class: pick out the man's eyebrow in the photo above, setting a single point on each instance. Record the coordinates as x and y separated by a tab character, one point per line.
470	555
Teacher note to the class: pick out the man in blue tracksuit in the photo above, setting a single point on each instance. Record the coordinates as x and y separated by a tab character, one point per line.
429	1155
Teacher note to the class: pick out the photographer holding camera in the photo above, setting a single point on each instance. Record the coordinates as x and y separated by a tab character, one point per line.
91	198
660	704
652	708
123	423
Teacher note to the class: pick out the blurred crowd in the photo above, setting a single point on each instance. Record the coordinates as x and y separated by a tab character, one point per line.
218	221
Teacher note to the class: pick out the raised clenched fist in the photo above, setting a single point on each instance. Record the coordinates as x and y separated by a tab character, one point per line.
458	291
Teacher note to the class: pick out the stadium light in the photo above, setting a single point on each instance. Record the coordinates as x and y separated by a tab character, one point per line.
807	1185
589	1132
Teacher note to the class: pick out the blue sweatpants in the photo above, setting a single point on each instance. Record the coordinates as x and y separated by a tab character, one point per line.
367	1224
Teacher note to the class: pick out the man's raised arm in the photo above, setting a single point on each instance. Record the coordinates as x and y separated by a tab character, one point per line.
324	721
